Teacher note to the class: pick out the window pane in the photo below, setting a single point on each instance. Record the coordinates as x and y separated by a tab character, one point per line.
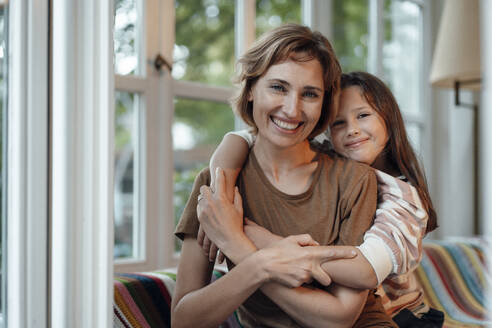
204	49
197	130
413	131
3	149
272	13
126	175
402	52
126	37
350	33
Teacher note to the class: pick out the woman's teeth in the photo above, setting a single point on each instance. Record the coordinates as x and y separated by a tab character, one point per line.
285	125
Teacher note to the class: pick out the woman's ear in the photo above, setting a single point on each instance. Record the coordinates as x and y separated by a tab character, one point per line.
250	95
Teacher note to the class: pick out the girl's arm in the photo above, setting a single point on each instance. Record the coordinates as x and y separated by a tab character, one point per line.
311	307
230	155
392	245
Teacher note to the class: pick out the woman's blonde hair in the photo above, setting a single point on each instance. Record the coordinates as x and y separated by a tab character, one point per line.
278	45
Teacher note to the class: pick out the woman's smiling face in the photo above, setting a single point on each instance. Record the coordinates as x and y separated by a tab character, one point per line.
287	101
358	131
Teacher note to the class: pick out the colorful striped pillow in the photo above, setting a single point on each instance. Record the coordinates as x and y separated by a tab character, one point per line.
454	276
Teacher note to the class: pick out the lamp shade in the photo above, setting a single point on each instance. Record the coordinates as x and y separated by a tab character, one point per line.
457	51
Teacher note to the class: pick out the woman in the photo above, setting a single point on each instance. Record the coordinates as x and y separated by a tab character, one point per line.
289	82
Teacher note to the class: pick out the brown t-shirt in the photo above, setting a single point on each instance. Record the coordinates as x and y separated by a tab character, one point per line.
337	209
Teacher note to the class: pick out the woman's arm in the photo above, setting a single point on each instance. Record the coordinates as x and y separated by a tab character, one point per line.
312	307
352	270
338	310
196	302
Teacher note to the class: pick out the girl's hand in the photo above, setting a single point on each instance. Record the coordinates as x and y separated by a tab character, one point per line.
259	235
221	220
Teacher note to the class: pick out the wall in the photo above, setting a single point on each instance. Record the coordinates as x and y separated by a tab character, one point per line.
452	184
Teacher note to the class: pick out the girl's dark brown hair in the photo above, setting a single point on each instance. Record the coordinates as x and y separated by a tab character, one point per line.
294	42
399	152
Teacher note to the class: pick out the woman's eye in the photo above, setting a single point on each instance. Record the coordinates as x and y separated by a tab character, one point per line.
278	87
310	94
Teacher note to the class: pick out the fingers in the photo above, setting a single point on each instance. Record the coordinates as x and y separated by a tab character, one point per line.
200	236
331	253
206	246
205	192
304	240
238	201
220	181
212	253
221	257
321	276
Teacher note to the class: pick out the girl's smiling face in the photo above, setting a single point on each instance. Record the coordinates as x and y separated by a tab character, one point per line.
358	131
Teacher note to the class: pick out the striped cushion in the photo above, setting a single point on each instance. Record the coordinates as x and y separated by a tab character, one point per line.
452	273
144	299
454	277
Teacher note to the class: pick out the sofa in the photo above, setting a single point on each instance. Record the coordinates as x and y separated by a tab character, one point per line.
452	272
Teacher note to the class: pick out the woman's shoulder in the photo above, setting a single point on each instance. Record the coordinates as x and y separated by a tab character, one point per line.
345	174
345	167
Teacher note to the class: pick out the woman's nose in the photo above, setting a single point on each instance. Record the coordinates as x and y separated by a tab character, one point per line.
292	106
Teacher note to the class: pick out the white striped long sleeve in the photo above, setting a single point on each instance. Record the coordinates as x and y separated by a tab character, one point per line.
393	245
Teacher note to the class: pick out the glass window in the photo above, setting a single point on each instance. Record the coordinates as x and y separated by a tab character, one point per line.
273	13
204	49
126	175
3	150
197	130
126	37
413	132
402	52
350	33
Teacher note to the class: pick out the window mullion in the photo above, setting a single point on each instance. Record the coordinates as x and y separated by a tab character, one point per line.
376	37
200	91
27	156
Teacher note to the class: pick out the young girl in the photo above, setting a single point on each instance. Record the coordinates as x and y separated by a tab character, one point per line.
368	128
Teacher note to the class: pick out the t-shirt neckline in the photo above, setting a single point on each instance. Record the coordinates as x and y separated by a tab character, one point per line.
269	185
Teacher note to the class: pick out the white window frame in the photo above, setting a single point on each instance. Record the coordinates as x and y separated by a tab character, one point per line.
82	121
315	13
423	119
27	162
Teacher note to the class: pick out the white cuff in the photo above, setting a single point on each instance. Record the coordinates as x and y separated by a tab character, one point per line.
246	135
376	253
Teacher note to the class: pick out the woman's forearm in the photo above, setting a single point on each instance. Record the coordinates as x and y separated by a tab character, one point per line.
318	308
196	303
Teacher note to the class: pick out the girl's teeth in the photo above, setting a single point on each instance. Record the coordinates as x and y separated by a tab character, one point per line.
285	125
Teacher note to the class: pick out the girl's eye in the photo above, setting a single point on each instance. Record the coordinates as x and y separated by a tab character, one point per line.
337	124
278	87
362	115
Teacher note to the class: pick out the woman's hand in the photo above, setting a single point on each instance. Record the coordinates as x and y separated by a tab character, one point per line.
295	260
221	220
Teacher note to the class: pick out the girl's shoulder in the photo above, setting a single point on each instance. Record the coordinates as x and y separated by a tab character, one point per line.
398	187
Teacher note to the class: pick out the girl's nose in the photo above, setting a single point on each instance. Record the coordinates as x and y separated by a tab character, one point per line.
353	129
